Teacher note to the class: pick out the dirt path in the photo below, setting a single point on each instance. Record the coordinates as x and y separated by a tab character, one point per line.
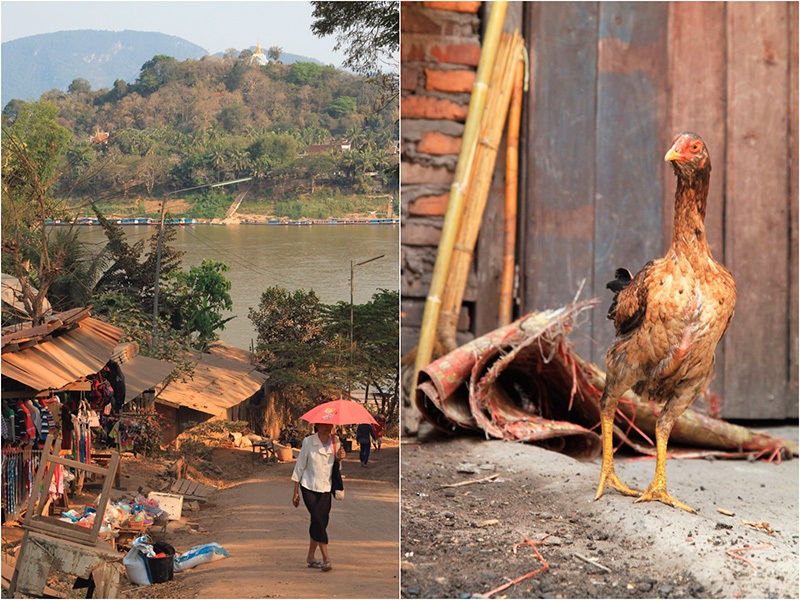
267	538
649	550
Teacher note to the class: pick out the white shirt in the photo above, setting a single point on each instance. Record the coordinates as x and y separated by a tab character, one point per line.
314	464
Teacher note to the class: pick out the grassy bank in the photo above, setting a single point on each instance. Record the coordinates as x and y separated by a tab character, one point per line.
323	203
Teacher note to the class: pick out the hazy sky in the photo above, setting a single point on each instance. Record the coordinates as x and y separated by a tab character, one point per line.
213	25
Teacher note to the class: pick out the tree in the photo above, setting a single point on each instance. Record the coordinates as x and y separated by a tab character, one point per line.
200	297
154	73
32	167
130	277
369	32
275	52
376	326
79	86
341	106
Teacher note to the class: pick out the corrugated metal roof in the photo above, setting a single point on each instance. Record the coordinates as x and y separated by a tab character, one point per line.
223	377
143	373
68	356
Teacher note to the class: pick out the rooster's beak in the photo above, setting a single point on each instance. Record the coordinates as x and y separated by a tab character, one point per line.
672	154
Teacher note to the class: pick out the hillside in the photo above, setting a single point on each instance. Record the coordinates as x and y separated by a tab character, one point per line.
36	64
309	137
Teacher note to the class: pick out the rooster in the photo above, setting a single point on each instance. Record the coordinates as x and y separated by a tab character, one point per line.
668	319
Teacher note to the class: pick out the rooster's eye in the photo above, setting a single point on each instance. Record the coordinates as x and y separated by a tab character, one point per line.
696	147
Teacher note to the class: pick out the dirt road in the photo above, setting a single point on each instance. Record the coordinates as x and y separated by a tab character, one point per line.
267	537
452	547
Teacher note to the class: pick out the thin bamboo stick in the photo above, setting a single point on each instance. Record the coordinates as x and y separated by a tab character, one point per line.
493	122
510	224
455	206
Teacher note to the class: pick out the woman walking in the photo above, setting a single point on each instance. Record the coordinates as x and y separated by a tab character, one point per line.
312	477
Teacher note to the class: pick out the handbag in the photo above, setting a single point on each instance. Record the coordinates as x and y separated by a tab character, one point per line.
337	485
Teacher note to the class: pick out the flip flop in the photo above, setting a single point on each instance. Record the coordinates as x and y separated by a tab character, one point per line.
315	565
326	566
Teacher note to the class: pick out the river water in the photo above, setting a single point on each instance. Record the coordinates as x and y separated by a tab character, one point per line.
293	257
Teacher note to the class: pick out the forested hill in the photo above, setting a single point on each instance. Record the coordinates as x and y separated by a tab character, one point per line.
195	122
36	64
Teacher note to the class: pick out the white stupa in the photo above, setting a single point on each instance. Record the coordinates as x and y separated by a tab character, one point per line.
258	57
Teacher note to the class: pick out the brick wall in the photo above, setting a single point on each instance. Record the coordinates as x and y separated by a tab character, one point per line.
440	49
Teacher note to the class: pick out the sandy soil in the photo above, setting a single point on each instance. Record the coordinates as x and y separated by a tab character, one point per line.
650	550
267	538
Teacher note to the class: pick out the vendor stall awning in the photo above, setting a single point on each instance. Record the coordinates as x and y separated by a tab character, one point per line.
69	351
223	377
144	373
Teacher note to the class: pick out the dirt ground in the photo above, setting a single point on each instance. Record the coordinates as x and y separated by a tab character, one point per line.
450	548
252	517
267	538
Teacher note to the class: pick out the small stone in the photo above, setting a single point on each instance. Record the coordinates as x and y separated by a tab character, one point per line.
546	515
450	494
412	591
665	590
406	566
449	515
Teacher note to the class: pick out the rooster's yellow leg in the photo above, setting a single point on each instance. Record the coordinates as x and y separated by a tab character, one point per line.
657	490
607	474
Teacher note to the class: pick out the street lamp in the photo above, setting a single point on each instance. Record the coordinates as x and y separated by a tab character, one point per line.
153	339
352	270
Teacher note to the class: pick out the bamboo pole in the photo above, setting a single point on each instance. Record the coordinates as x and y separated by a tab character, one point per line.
493	122
510	223
455	205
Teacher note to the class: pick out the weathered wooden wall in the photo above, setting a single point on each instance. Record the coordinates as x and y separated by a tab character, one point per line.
612	83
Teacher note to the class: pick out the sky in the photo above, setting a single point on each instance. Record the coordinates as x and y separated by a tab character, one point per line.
214	25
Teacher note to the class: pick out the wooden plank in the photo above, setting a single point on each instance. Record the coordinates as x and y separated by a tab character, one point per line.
632	137
192	488
558	143
757	209
698	103
794	374
488	261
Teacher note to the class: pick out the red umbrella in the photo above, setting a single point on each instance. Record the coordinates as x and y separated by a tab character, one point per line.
339	412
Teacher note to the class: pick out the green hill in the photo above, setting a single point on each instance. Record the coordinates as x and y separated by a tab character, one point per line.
310	136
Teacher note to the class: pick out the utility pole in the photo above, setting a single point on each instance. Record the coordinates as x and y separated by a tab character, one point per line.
352	272
154	337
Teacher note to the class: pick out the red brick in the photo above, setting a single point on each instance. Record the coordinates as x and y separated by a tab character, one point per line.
449	81
465	53
414	173
467	7
429	206
433	142
414	21
420	235
427	107
411	51
409	77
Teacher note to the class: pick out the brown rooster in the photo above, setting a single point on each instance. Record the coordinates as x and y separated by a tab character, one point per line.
669	319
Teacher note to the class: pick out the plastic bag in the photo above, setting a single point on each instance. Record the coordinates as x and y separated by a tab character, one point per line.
135	560
204	553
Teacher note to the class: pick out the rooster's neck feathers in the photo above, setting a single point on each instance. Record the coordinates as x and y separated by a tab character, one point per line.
691	195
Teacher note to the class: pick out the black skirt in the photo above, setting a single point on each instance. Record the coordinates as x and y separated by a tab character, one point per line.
319	506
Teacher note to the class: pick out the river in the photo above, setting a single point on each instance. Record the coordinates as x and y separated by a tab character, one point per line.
293	257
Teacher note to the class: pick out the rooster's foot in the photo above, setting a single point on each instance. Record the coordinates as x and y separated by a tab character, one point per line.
611	479
658	492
